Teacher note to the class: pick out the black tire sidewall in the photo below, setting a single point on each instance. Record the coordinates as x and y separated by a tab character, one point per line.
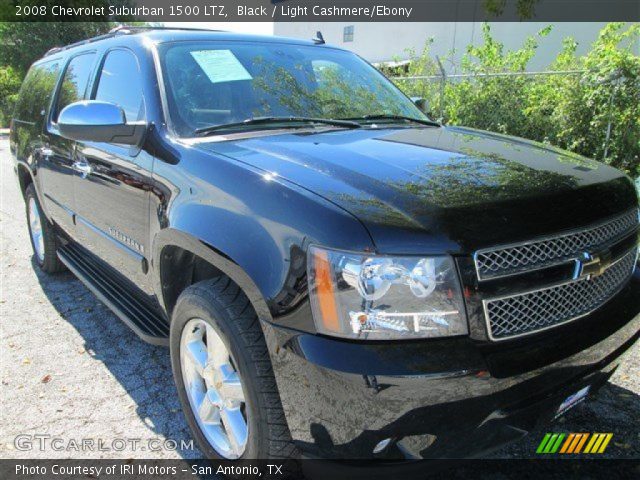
197	306
29	194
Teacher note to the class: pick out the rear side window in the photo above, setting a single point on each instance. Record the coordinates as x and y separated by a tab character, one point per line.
120	83
37	90
74	83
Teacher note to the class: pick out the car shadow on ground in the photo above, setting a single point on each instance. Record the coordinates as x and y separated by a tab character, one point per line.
143	370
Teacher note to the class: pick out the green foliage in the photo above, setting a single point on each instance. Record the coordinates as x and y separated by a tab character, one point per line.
24	43
525	9
9	86
421	65
493	103
608	93
571	111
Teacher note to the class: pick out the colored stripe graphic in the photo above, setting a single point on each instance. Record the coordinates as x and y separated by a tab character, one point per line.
556	446
598	443
543	443
583	440
593	440
573	443
606	441
551	443
567	443
577	439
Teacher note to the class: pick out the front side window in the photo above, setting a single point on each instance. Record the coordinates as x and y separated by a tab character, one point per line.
214	83
75	81
120	83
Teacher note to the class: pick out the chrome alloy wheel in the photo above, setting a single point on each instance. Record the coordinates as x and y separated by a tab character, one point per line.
35	224
214	388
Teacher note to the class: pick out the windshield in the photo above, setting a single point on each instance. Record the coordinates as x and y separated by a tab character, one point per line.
217	83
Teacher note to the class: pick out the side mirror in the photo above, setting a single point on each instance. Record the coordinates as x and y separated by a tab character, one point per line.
421	103
95	121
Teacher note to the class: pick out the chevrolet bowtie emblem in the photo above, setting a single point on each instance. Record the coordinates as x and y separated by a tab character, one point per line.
592	265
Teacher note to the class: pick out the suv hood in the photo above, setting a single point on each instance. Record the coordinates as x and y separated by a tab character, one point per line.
424	190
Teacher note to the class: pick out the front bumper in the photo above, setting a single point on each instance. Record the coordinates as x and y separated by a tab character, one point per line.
449	398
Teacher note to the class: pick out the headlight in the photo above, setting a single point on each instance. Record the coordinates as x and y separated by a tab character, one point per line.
372	297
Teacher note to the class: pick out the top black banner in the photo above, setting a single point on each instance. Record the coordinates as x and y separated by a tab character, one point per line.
319	10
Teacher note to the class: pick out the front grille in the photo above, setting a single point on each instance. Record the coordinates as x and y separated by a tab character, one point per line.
541	309
508	260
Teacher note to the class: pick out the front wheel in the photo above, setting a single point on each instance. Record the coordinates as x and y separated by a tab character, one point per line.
224	376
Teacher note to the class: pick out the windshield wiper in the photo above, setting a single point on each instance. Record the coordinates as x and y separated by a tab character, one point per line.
398	118
249	122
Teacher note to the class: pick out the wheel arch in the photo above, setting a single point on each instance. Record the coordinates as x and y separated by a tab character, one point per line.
25	178
169	244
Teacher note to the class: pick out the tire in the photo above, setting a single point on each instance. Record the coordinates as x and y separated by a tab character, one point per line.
223	306
45	241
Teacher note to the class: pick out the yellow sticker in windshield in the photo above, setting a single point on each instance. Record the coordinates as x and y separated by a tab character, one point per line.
221	65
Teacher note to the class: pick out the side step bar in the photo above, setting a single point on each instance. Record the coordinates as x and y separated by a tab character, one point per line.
147	324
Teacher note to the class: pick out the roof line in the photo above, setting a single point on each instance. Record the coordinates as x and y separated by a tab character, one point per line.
123	30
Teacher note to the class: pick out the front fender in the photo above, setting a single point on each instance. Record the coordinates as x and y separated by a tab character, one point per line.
254	228
173	237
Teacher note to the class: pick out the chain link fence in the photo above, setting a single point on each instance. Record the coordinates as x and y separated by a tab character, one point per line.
444	78
445	93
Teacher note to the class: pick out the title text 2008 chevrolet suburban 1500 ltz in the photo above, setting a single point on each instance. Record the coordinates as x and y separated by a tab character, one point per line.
335	274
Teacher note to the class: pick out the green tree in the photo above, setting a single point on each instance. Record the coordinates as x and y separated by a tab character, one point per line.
23	43
595	114
9	85
606	99
493	102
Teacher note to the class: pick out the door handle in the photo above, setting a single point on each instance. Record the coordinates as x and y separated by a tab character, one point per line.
83	167
46	152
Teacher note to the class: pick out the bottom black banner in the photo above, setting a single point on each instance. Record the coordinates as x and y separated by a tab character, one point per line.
68	469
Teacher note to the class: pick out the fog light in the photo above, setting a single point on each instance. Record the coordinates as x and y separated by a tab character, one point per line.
381	445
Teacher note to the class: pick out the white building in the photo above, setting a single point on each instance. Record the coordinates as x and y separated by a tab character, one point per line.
385	42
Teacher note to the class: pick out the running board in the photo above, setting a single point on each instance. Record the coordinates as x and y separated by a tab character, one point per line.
146	323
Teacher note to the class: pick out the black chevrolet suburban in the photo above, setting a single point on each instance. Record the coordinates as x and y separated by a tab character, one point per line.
335	274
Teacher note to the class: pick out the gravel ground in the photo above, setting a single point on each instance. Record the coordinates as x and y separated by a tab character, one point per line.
70	369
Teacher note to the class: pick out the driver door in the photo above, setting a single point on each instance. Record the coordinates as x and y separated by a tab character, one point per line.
112	194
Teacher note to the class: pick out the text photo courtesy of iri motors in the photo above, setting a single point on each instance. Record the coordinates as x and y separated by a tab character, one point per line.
319	239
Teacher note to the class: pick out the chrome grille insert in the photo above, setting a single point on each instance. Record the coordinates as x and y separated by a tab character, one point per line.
522	257
531	312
